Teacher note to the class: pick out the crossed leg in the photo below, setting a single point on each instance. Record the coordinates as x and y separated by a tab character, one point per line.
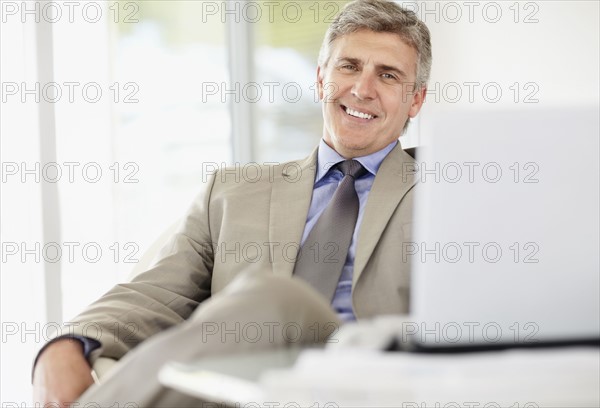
251	301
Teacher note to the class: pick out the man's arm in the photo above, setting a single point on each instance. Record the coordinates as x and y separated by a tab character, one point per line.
129	313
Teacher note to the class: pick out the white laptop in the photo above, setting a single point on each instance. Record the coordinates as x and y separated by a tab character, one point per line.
505	244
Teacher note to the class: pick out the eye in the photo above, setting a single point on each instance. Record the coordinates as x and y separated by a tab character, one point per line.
348	67
388	76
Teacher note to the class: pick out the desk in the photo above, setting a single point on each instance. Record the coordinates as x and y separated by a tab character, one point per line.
565	377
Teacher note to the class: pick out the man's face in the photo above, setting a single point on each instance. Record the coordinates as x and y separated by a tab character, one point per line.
368	92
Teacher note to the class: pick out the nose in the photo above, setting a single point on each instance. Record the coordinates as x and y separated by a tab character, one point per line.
364	86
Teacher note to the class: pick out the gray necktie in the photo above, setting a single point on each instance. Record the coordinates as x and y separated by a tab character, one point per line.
325	250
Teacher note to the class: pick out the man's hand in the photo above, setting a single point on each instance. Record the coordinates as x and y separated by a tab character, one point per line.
61	374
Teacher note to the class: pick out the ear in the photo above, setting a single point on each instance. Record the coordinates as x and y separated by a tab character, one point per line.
320	82
417	102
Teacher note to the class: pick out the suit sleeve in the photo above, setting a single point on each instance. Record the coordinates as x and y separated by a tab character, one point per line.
159	298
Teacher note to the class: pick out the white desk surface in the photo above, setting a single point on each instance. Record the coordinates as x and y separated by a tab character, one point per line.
562	377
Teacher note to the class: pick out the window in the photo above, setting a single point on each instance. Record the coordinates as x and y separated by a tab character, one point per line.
105	129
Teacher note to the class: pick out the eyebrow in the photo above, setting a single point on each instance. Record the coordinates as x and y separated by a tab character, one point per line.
381	67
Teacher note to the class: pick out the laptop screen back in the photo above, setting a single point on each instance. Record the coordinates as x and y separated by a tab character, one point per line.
506	229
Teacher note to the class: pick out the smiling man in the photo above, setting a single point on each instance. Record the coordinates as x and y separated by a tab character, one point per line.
330	228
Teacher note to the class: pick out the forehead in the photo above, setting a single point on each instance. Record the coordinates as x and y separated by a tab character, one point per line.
376	48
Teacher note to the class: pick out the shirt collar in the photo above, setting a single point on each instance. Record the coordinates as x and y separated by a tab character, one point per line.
327	158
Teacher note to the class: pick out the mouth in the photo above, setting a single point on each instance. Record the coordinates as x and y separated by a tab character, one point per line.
358	114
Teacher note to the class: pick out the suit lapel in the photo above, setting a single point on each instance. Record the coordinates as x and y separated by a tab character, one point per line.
291	194
394	179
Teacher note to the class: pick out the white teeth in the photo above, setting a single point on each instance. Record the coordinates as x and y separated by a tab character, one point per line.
358	114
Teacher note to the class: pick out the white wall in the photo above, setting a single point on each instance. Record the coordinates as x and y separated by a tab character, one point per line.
553	57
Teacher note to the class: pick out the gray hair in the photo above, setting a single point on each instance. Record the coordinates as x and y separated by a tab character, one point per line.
387	17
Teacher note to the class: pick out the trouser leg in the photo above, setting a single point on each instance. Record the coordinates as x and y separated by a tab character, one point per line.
263	301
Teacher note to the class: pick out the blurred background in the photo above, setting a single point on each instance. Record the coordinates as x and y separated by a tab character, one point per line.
114	111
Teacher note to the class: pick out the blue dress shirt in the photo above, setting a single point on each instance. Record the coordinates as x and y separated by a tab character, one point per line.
326	183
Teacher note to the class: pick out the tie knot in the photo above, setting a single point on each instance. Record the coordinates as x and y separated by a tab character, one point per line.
352	168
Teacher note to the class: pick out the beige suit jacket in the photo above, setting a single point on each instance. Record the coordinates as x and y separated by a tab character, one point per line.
253	218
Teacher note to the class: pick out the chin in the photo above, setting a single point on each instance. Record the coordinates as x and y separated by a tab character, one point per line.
357	142
351	148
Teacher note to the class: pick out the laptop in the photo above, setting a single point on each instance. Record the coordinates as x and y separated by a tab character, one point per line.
505	248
